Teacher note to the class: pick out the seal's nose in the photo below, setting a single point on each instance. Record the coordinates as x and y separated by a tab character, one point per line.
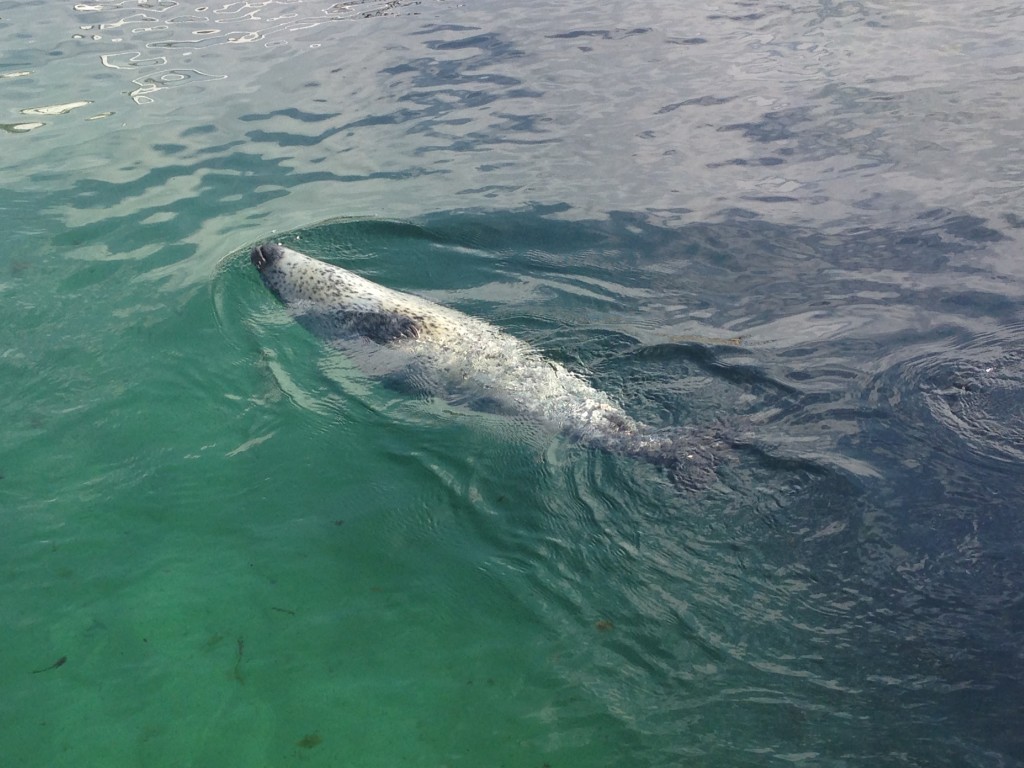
264	255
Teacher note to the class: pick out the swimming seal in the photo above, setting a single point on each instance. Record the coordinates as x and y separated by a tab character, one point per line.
465	360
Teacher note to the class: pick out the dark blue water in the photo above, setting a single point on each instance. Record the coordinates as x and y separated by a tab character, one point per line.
224	545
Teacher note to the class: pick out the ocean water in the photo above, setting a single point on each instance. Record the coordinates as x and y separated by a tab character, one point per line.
223	545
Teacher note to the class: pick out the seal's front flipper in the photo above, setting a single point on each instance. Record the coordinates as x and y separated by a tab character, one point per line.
416	379
412	379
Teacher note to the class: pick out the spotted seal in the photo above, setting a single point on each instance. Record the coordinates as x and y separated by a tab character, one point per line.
465	360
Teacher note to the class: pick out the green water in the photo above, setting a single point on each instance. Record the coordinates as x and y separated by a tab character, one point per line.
243	551
246	553
235	579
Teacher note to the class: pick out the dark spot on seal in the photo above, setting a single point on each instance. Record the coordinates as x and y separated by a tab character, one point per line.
379	327
383	327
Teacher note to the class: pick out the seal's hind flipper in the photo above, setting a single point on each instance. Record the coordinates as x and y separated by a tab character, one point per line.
693	468
689	456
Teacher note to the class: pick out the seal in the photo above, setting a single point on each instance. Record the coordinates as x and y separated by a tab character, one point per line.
441	351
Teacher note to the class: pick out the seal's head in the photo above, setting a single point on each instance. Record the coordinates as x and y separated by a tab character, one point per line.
333	302
292	277
265	255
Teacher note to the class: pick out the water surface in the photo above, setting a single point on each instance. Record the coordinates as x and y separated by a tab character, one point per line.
802	222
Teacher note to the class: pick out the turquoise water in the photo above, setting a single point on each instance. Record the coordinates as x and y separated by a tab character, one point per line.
224	545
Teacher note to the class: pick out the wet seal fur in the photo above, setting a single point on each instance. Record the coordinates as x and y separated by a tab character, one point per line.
466	360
